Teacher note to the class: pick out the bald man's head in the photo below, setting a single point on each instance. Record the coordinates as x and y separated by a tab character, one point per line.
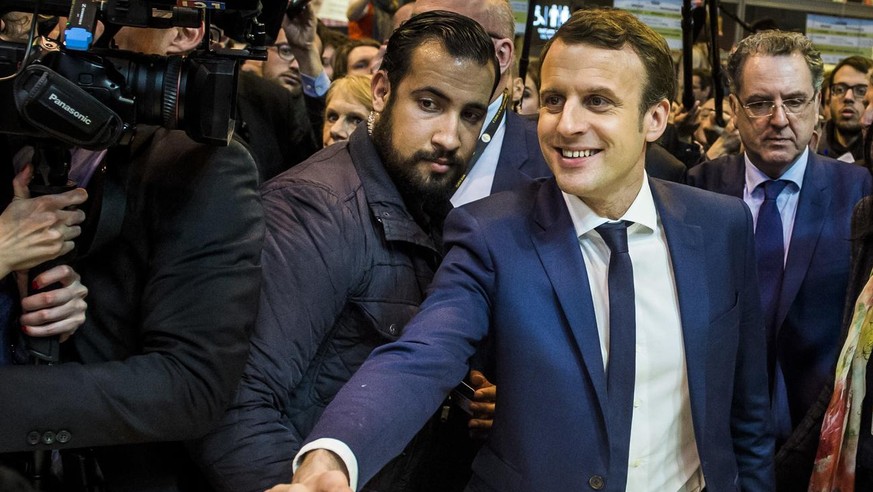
497	19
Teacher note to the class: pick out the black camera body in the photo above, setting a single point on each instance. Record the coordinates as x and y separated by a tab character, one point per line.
88	95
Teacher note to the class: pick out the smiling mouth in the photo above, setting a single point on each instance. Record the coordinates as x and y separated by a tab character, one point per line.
578	153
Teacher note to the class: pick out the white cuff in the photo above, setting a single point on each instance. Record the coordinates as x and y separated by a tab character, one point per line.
340	448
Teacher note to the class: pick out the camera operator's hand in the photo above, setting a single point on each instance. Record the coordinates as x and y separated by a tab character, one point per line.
300	32
34	230
56	312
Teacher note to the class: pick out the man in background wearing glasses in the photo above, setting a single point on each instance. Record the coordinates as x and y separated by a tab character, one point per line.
282	67
842	137
802	203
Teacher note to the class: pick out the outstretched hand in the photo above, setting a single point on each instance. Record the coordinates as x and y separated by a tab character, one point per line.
320	471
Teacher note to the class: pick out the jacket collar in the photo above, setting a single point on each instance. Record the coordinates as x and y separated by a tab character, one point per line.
385	201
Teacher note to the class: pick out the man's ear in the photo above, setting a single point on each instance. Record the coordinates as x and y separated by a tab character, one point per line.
504	49
185	40
655	120
734	102
381	89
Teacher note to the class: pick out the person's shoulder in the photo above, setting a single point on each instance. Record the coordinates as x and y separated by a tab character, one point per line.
837	167
524	129
850	181
716	166
695	200
510	204
718	173
172	157
330	169
689	193
527	122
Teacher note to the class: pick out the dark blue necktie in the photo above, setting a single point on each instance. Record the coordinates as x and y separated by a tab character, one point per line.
770	250
622	351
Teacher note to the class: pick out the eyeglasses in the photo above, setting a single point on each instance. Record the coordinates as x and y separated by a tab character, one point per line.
761	109
859	90
284	51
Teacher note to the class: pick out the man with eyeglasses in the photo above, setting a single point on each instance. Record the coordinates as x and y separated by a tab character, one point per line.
842	137
802	203
279	104
281	66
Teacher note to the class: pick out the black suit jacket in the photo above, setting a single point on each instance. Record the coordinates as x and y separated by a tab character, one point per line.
277	125
172	298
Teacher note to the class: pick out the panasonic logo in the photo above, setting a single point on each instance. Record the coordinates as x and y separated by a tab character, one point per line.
66	107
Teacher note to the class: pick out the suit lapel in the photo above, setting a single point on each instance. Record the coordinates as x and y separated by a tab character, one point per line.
733	179
812	204
558	249
513	155
685	242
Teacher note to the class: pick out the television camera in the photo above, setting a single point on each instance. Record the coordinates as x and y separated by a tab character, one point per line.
84	93
80	92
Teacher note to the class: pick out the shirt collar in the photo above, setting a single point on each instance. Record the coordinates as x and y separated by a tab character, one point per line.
793	174
642	211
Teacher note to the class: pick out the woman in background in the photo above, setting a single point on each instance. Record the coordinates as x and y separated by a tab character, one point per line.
348	102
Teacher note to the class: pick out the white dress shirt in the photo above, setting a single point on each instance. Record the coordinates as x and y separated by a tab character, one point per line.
786	202
663	452
480	179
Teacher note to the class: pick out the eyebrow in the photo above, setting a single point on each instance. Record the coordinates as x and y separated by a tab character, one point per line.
442	95
601	90
790	95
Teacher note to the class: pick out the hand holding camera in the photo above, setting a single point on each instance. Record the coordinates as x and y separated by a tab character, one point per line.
35	230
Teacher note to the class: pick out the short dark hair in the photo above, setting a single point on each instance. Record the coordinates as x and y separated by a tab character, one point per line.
859	63
775	43
461	36
614	29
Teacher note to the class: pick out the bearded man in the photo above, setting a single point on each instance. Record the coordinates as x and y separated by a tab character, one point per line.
354	238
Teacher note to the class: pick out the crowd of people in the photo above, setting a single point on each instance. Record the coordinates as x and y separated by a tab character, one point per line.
668	297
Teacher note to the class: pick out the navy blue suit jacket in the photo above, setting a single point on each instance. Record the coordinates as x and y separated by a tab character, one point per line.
520	160
808	318
515	272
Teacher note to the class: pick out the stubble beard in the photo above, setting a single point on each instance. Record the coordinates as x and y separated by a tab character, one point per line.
410	175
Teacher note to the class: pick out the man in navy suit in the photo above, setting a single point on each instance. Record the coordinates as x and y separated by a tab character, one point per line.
775	95
542	270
